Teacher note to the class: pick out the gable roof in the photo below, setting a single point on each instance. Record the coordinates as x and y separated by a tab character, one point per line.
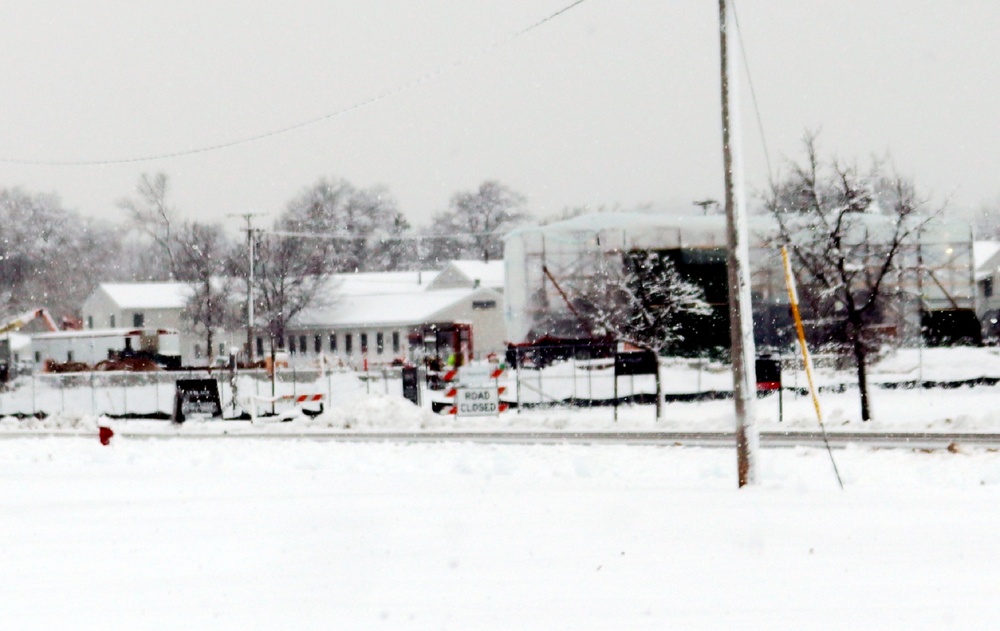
150	295
387	309
471	273
487	274
374	283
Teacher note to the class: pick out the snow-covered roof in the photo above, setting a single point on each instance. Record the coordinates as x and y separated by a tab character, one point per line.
478	272
387	309
151	295
117	332
657	230
987	257
375	283
17	341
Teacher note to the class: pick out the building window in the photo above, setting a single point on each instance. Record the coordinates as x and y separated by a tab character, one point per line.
988	287
222	349
138	319
364	343
482	305
281	342
318	344
380	342
348	343
395	341
111	321
333	342
291	344
260	347
197	351
90	322
38	356
69	356
302	345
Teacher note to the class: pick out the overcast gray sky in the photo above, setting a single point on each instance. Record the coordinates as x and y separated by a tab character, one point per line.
612	103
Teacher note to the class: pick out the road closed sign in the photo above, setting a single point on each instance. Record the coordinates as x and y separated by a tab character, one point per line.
477	402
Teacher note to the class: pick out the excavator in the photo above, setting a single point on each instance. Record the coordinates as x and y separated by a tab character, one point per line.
13	325
26	317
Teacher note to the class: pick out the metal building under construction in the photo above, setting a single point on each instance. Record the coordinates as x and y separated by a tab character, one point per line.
933	287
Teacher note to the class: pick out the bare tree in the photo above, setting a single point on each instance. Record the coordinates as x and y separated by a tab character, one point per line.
152	216
201	255
476	222
845	231
289	276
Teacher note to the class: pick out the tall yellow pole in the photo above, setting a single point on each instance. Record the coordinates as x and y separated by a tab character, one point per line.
793	298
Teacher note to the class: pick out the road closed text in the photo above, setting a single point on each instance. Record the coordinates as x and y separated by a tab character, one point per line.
477	402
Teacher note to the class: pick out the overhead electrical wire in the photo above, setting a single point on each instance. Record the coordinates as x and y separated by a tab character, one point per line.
427	76
753	96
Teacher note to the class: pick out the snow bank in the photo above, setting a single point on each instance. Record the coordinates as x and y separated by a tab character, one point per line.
298	534
353	405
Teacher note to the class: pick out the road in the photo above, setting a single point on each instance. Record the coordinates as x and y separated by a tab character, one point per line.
769	439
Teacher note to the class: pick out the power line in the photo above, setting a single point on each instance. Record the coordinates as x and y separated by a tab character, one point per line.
427	76
753	95
382	237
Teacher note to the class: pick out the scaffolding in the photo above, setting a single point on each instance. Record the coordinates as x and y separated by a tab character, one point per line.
935	273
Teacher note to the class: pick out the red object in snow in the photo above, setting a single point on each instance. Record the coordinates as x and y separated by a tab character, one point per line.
105	434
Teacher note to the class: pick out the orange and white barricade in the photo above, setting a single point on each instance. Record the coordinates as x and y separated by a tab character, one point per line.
298	400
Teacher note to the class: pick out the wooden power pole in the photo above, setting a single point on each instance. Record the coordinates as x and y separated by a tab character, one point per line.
737	260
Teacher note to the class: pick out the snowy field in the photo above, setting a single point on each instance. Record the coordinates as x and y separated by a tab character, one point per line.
217	533
267	527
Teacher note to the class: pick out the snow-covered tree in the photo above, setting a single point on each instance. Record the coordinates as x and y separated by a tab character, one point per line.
475	223
364	228
49	256
845	230
638	297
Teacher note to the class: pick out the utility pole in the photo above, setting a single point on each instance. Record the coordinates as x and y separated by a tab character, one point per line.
706	204
737	260
250	280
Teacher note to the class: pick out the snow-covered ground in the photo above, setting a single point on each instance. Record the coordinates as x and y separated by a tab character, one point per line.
208	531
216	533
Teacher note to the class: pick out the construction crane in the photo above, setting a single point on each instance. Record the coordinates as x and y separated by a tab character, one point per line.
26	317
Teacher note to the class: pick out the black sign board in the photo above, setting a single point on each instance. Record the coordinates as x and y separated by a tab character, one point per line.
196	396
768	373
411	384
638	363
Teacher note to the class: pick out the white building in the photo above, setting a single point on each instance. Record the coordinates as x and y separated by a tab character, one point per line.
935	282
386	316
469	274
988	285
378	316
154	305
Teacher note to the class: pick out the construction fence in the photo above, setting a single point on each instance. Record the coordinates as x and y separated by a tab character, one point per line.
560	379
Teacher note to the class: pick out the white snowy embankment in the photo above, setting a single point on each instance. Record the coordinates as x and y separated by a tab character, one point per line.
297	534
357	407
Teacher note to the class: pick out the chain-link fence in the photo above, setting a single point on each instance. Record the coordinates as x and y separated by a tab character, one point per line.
560	377
151	394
